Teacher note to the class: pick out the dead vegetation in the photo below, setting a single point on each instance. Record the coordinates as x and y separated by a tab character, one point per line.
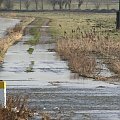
16	109
13	35
82	49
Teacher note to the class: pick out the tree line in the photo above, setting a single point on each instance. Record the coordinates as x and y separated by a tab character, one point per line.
61	4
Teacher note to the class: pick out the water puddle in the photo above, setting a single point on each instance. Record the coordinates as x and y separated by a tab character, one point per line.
47	68
6	23
103	70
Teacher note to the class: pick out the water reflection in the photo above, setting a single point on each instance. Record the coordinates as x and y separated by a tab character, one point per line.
42	67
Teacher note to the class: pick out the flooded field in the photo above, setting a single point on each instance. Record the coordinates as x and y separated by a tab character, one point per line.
5	24
51	86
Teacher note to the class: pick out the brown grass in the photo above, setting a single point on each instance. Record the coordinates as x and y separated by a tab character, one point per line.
16	109
79	61
82	49
13	35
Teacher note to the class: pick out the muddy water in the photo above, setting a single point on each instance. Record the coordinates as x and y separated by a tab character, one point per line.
52	88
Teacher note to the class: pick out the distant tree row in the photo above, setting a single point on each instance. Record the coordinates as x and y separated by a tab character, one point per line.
62	4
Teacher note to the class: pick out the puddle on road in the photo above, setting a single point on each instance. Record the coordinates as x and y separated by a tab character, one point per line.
47	68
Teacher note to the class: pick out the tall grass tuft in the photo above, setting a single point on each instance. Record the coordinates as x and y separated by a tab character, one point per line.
17	109
82	48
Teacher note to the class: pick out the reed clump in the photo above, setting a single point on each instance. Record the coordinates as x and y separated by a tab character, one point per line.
82	48
16	109
79	61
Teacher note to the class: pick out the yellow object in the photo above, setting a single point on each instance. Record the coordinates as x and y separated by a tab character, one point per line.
2	84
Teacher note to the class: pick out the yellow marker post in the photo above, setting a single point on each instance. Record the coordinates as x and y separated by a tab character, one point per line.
2	93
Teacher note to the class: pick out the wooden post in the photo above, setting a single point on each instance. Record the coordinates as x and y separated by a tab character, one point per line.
2	94
118	18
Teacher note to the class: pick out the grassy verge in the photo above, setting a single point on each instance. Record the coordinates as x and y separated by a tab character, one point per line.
35	39
86	38
13	35
35	31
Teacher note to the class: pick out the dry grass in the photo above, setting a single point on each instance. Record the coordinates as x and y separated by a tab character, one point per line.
13	35
82	49
16	109
79	60
83	38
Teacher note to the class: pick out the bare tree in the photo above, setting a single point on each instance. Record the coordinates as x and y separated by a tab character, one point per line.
68	3
42	5
20	4
27	4
36	4
80	2
61	3
97	3
53	3
108	3
8	4
87	1
1	1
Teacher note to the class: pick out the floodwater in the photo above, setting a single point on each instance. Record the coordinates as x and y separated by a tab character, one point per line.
6	23
52	88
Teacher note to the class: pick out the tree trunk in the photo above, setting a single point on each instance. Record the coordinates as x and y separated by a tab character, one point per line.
36	4
53	6
1	1
42	4
60	6
20	4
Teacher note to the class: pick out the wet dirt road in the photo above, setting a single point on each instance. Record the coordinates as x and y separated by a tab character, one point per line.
52	88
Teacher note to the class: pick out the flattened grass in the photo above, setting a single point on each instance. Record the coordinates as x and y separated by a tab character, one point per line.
35	32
